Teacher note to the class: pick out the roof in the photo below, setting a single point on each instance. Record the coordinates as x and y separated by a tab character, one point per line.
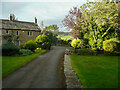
18	25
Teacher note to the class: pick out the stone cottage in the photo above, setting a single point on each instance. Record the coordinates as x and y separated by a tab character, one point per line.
20	31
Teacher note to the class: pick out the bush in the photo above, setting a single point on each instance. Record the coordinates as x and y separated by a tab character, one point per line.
109	46
86	43
25	52
31	45
77	43
38	50
9	48
94	49
92	43
86	51
43	42
22	47
100	44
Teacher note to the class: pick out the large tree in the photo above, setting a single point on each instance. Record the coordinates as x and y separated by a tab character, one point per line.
51	32
99	20
70	21
52	28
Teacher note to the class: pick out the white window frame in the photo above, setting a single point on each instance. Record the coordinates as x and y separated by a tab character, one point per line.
30	33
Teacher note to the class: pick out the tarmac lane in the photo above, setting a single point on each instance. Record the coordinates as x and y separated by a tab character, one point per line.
43	72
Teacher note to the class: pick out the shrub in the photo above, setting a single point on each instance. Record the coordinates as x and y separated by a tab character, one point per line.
86	51
9	48
86	43
92	43
31	45
25	52
77	43
94	49
43	42
100	44
22	47
38	50
109	46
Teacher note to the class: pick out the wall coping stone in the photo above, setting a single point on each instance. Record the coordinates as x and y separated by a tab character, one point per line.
70	76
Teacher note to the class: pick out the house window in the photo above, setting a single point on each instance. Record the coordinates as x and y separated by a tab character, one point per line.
29	33
7	32
18	43
17	33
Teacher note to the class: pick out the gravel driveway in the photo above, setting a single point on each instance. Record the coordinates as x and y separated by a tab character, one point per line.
43	72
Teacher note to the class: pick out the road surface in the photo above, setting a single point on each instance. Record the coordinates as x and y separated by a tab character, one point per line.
43	72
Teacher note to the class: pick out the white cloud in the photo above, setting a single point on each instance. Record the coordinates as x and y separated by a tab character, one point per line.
49	12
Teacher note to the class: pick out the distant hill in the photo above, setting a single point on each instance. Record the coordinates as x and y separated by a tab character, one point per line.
65	36
63	33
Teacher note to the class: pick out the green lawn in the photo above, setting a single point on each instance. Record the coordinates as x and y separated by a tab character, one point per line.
11	63
96	71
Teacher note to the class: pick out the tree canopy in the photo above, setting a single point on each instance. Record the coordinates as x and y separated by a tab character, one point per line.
94	20
52	28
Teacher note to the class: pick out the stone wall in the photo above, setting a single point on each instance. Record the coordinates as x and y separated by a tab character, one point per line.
71	78
23	35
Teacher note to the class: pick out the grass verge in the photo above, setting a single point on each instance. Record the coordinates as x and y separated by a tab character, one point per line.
96	71
11	63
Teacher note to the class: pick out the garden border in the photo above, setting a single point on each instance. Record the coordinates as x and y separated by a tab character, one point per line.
71	78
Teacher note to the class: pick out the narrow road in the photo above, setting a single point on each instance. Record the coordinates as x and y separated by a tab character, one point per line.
43	72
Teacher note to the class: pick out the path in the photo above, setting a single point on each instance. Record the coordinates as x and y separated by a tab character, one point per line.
43	72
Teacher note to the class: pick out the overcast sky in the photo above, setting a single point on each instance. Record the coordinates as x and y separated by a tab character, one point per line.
50	12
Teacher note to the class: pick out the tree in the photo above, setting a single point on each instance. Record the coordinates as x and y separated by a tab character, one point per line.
51	32
97	20
52	28
70	21
43	41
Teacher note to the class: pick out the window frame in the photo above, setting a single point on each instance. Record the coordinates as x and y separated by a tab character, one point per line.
18	43
30	33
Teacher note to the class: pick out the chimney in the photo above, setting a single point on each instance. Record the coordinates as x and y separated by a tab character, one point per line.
35	20
12	17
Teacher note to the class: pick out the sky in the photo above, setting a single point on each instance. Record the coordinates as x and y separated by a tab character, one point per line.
48	11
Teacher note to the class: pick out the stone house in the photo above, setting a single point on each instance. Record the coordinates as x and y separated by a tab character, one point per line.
20	31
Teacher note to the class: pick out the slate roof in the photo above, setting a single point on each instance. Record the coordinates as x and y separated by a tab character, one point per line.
18	25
